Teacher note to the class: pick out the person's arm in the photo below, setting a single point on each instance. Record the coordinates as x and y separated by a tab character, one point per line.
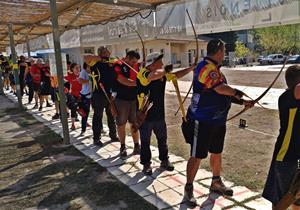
297	92
126	81
225	89
118	75
155	75
212	78
183	72
82	79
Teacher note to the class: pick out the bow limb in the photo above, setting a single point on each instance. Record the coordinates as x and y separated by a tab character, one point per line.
196	58
143	44
175	83
271	85
239	113
266	91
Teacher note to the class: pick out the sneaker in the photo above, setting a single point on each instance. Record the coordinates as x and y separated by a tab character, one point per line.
123	152
147	169
49	105
73	127
41	108
35	106
98	143
82	133
189	196
55	117
167	165
136	150
219	187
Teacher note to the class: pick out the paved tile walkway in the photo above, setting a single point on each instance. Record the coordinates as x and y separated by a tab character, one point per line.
162	189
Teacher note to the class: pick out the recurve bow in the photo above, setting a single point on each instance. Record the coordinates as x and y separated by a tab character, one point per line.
196	58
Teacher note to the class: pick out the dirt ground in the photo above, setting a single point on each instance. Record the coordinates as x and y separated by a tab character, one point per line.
37	172
250	78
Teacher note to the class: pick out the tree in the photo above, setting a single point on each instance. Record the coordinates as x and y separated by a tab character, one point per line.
278	39
241	50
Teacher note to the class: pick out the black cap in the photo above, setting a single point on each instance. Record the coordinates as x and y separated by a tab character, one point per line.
214	46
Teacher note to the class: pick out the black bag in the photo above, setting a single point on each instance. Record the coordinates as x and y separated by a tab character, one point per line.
188	130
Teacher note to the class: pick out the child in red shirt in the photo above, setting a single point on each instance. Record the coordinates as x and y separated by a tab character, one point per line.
75	88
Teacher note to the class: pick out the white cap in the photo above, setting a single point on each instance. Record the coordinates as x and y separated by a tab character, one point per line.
152	57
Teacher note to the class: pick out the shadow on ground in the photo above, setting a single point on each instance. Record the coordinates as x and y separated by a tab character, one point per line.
37	171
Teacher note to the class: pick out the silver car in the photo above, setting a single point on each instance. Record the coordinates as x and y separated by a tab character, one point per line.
272	59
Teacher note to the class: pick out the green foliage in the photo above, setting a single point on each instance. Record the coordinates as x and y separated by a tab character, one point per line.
278	39
241	50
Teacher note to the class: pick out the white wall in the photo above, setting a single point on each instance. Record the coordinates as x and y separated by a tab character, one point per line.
156	45
75	55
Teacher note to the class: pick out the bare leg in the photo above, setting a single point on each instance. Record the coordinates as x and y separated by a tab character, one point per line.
56	103
42	98
215	164
36	97
135	134
191	169
121	133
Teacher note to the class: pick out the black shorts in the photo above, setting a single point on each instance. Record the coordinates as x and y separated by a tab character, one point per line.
205	138
278	182
45	90
36	86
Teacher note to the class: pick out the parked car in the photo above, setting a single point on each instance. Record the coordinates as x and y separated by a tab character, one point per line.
259	58
272	59
294	59
242	60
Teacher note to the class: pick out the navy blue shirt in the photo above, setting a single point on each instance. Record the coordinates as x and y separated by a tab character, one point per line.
207	105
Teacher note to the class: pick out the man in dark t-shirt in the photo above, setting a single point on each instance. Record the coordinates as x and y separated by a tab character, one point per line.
22	68
287	148
152	82
103	79
126	100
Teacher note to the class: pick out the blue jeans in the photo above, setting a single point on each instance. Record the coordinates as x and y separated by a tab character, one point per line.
160	130
85	103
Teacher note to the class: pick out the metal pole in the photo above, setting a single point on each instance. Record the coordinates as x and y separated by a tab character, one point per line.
15	65
1	81
59	69
28	47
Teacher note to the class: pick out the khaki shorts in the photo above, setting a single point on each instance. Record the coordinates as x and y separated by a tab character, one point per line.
126	111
